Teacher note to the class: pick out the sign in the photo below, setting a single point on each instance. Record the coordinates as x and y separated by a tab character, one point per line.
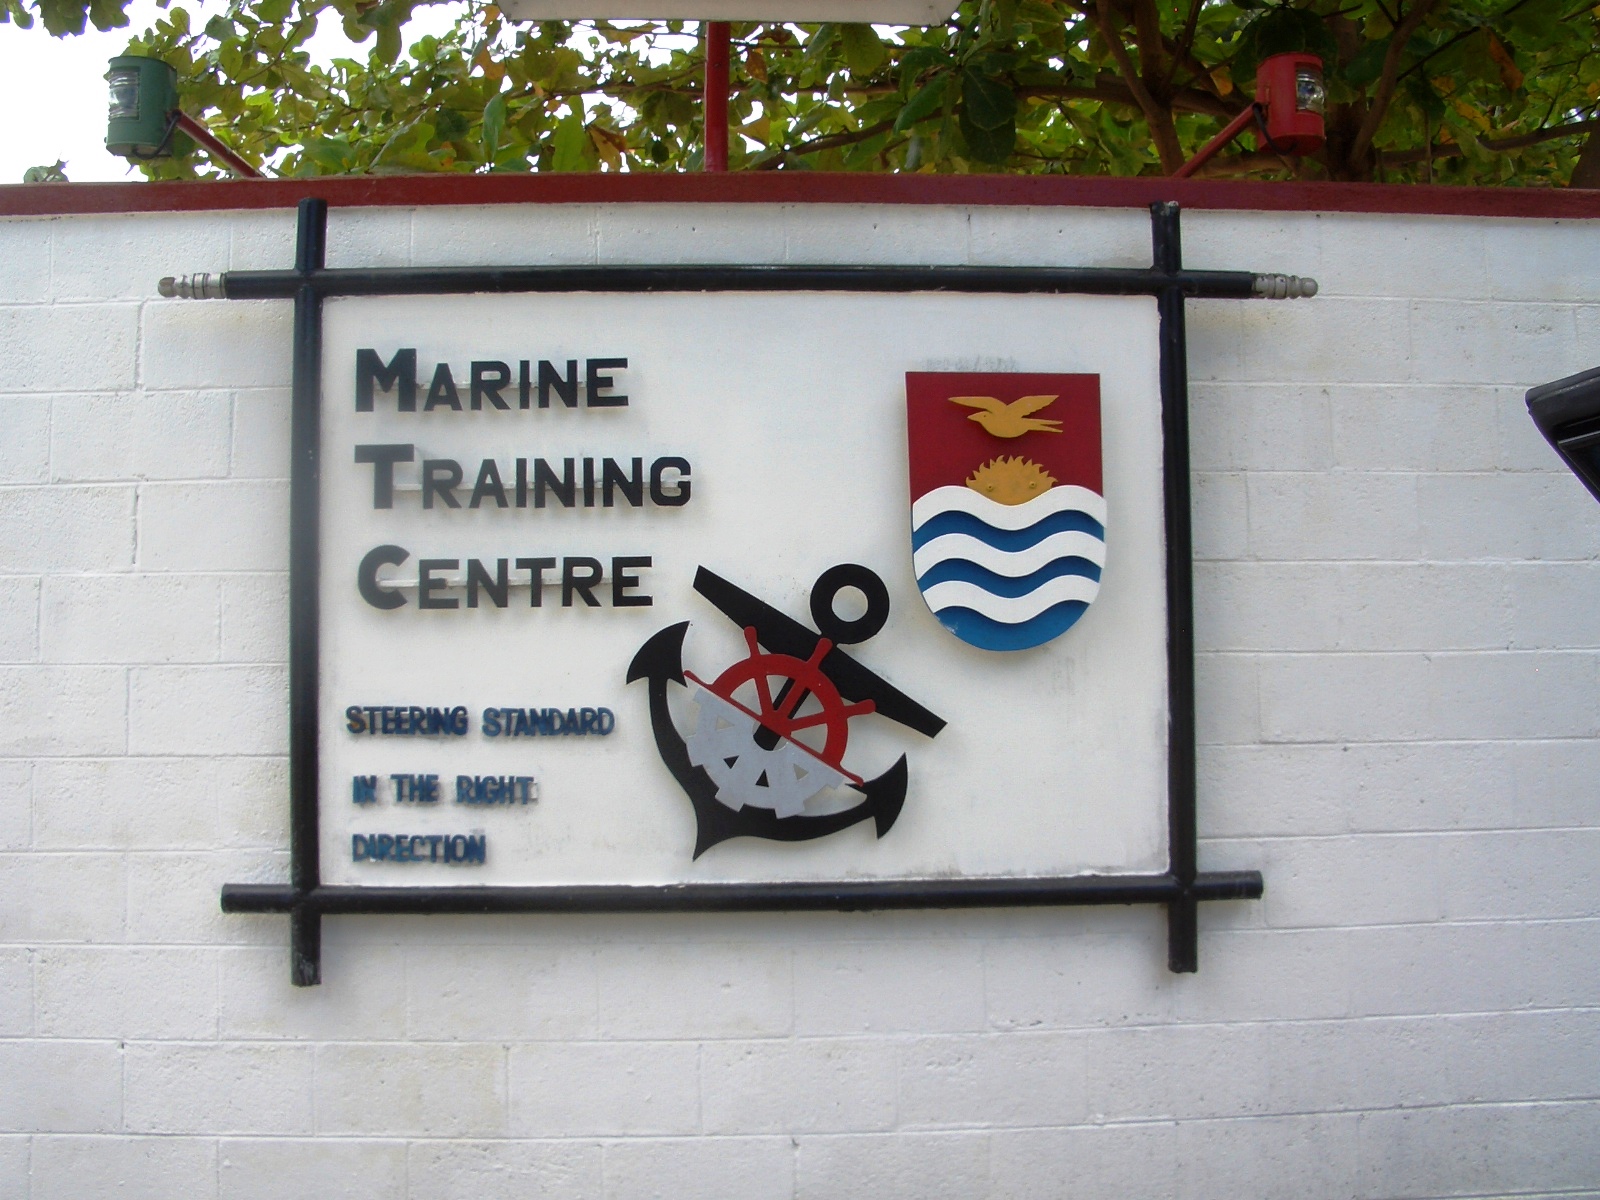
585	563
645	589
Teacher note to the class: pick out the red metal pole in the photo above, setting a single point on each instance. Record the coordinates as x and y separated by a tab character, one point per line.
716	105
215	148
1229	132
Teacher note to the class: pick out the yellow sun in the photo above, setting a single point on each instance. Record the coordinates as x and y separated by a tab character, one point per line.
1011	480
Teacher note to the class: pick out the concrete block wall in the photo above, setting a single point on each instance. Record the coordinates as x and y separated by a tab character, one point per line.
1398	592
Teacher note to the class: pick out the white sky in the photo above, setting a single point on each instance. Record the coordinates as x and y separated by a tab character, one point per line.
55	92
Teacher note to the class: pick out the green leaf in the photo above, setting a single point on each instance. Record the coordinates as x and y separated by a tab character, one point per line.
1467	138
917	60
1420	92
989	103
924	104
388	47
913	158
678	108
1047	25
1538	21
494	122
49	174
107	14
451	125
569	145
817	46
995	62
864	52
331	154
987	145
1362	71
62	17
811	119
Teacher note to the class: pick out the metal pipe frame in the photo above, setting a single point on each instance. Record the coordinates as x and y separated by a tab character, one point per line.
1181	888
305	573
442	281
216	147
1229	132
745	897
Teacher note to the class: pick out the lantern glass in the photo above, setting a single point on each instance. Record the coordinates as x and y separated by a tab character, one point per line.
1309	93
124	95
142	99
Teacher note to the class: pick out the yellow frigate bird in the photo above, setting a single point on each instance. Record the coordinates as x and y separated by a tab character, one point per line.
1009	420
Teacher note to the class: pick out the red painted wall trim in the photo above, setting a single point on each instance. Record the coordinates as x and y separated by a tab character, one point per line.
51	199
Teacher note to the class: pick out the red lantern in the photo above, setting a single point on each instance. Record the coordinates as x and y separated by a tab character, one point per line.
1289	87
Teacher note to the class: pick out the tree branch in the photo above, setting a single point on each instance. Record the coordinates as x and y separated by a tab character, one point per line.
1464	34
1494	145
1243	164
1184	56
1387	79
1110	90
1586	172
1185	40
1159	120
848	138
1148	39
1104	89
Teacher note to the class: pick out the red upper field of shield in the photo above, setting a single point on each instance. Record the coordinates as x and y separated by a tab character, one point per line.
949	440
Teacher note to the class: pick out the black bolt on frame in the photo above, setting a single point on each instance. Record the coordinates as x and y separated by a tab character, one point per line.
1181	887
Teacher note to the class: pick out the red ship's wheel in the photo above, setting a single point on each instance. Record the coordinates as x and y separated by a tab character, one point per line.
778	711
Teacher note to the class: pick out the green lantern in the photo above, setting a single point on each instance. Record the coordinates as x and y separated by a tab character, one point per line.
144	99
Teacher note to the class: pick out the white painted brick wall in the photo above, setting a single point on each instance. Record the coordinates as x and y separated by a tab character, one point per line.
1398	613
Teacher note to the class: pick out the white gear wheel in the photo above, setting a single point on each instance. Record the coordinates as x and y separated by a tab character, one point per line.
724	745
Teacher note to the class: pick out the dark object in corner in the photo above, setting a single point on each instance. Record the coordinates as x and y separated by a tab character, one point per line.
1567	412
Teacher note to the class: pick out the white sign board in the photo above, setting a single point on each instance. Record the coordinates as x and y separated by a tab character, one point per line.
498	545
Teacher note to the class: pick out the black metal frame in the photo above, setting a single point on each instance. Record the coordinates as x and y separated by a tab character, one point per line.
1181	887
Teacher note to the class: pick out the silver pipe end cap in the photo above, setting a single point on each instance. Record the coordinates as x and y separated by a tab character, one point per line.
1284	287
201	286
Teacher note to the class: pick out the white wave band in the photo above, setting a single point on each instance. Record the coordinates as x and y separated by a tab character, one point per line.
960	498
1011	611
1013	564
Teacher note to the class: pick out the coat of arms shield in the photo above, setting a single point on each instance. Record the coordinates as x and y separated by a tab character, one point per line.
1007	507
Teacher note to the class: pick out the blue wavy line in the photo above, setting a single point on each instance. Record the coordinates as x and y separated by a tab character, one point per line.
1005	539
961	570
978	630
